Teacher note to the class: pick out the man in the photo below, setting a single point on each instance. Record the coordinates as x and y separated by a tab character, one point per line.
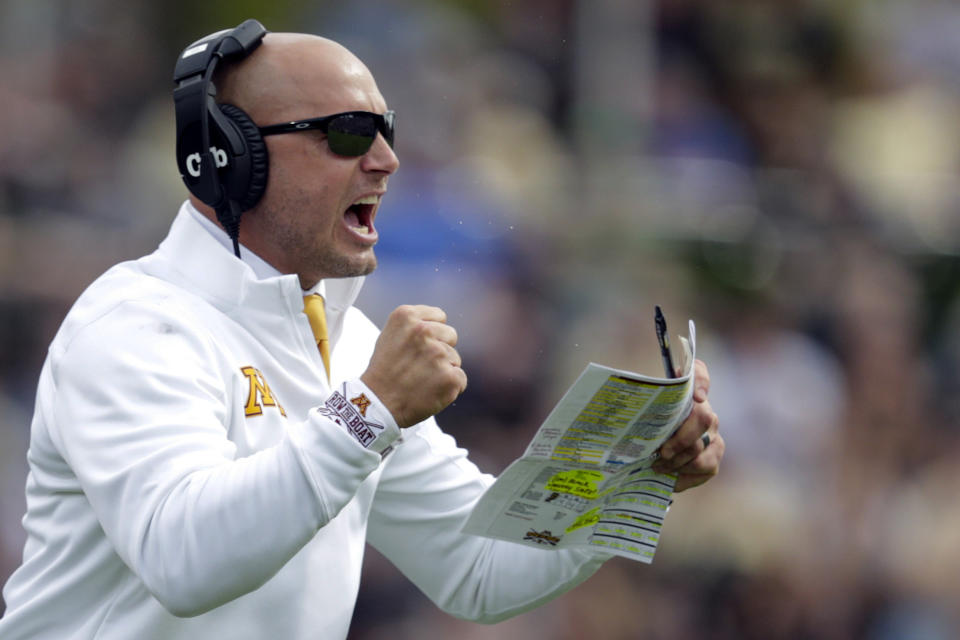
195	470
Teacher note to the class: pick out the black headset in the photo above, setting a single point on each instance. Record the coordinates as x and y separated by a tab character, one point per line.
221	156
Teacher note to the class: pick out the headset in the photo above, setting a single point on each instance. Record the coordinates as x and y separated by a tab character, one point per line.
221	156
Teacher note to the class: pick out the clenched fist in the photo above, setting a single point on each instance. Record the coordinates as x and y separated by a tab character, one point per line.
415	368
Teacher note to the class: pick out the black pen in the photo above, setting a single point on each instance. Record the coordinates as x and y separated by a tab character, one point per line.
664	339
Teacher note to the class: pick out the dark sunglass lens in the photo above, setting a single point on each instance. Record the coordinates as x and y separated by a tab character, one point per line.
351	135
389	119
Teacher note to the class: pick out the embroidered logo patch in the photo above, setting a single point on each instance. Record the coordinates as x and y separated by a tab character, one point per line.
340	410
260	395
361	402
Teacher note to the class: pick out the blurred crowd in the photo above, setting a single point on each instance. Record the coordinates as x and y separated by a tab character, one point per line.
784	172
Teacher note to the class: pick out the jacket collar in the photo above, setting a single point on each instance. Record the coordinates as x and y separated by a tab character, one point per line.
193	256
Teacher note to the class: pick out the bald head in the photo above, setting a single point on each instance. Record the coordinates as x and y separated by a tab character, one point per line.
316	215
289	75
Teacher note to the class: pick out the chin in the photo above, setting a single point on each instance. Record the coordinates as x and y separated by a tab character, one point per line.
366	265
367	270
344	267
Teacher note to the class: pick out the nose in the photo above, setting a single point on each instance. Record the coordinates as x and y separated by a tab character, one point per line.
380	157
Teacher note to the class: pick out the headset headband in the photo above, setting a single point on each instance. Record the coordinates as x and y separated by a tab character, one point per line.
226	44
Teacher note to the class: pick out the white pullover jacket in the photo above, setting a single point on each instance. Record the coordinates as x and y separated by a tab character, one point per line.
191	477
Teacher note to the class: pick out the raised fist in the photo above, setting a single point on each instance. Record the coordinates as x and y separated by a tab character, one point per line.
415	368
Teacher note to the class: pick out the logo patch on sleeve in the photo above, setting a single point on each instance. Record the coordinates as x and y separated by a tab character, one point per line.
341	411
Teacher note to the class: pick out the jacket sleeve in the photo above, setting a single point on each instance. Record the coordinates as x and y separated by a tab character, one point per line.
425	494
139	411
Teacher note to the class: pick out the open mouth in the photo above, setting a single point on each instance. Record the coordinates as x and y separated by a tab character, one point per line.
359	215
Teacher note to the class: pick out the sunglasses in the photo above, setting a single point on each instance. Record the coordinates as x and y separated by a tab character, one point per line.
349	134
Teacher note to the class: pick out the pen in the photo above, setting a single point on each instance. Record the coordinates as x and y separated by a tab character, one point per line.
664	339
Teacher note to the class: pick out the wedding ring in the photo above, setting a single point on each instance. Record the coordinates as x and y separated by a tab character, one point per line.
705	439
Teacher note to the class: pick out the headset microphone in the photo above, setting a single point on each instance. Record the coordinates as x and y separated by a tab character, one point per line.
221	156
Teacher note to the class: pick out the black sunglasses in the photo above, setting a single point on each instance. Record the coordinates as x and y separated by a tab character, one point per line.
349	134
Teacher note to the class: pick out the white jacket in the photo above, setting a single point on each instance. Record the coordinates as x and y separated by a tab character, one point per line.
183	483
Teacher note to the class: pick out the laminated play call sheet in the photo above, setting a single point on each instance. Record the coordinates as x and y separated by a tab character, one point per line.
585	479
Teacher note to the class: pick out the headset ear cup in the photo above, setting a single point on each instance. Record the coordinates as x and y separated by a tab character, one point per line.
248	192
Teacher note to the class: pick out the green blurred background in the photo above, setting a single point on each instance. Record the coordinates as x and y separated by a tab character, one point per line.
784	172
